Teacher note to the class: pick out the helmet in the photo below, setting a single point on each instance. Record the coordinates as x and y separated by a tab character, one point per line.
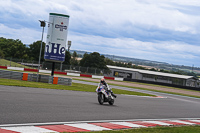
102	80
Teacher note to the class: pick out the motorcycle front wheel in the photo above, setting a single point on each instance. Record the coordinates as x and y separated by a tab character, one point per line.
100	98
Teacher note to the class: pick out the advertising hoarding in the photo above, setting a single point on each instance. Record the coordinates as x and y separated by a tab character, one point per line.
122	74
56	37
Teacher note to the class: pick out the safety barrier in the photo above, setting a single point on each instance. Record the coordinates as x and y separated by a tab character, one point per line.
11	75
63	73
35	77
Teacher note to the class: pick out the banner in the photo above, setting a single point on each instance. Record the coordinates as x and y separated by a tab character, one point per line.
122	74
56	37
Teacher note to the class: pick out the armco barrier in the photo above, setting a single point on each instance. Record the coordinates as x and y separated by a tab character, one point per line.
64	81
35	77
62	73
39	78
11	75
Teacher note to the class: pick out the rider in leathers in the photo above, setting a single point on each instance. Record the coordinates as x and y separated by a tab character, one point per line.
103	82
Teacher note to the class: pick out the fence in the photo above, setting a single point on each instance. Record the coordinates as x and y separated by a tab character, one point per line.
11	75
35	77
48	66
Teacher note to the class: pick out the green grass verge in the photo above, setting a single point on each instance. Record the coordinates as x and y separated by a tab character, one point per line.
184	129
74	87
4	62
160	91
150	89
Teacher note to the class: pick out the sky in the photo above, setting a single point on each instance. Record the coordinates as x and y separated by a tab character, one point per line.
157	30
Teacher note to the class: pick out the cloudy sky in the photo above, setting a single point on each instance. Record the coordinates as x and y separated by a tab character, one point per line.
158	30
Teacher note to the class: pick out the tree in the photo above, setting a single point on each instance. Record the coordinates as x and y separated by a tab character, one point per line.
75	55
109	61
74	61
67	58
34	51
1	54
13	48
94	60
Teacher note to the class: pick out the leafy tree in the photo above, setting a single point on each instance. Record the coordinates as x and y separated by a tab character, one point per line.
74	61
13	48
129	65
80	55
152	69
94	60
75	54
67	58
1	54
34	50
109	61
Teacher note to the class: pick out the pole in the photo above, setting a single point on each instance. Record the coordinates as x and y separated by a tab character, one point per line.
192	68
40	53
41	48
53	67
61	66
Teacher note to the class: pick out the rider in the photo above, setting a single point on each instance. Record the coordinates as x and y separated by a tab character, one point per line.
102	81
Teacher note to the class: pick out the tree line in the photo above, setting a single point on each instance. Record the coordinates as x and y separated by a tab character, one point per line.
16	49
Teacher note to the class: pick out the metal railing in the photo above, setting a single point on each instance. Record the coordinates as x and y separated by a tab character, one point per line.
11	62
11	75
34	77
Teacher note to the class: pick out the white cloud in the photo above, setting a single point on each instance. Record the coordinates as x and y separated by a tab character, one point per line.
138	49
157	30
27	36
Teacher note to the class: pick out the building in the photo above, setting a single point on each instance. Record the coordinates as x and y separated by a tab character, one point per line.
130	74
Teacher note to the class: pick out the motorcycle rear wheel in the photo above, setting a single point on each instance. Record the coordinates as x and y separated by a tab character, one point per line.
100	99
111	102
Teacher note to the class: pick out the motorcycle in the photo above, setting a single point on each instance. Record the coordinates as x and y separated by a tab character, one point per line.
105	95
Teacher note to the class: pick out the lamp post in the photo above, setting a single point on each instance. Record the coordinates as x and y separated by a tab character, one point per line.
69	44
42	24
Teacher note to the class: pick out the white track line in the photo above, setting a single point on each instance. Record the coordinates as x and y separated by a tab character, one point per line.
95	121
195	120
87	126
29	129
158	122
184	122
127	124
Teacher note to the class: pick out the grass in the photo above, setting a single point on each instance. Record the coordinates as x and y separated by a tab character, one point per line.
145	88
74	87
143	84
4	62
150	89
160	91
183	129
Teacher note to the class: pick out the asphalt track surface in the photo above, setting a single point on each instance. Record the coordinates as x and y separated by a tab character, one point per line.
20	105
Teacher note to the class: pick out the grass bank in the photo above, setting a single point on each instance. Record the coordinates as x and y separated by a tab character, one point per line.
74	87
147	88
4	62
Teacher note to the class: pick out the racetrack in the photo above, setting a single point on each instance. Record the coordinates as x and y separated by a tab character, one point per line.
35	105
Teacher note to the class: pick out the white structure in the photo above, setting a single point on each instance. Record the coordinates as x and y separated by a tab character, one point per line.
152	76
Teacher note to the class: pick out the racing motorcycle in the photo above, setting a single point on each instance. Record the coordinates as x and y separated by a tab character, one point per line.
105	95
